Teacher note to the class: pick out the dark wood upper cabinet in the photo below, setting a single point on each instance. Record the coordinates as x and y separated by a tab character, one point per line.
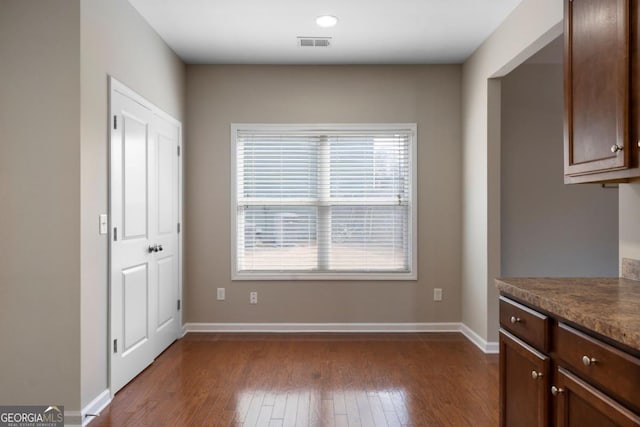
600	55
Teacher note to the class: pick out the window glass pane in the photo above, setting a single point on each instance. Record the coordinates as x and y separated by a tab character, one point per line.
369	238
279	167
369	166
278	238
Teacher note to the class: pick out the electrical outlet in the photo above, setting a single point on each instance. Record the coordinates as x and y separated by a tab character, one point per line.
437	294
220	294
253	297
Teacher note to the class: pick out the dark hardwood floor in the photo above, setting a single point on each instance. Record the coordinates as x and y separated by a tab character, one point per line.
312	380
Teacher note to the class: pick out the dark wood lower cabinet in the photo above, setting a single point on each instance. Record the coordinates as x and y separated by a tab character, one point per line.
581	405
573	380
524	375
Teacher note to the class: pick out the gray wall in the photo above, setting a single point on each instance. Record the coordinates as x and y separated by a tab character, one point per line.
115	41
53	113
220	95
629	226
531	25
548	228
40	203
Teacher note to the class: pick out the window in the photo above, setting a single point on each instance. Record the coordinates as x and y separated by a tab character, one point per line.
323	202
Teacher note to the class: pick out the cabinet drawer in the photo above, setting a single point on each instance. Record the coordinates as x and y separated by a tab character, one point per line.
525	323
609	368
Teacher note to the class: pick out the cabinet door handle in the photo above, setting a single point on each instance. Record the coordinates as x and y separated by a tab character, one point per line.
536	375
515	320
588	361
615	148
556	391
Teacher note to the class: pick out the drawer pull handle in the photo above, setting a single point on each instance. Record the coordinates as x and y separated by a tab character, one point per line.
588	361
556	391
515	320
536	375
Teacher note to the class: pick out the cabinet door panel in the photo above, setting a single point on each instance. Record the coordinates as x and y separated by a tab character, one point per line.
523	395
596	85
581	405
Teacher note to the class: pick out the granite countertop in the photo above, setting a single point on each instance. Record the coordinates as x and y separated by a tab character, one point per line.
607	306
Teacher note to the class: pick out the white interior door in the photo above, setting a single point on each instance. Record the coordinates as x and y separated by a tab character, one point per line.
144	250
164	230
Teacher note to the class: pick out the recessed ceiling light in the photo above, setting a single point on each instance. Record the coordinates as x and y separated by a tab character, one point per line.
326	21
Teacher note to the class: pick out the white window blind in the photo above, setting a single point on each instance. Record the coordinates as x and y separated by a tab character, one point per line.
323	202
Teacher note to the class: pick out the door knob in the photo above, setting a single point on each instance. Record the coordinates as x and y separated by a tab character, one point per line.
153	248
536	375
555	390
588	361
615	148
159	248
515	320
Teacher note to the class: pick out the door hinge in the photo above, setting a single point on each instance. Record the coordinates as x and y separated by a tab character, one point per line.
179	305
115	234
115	346
178	150
179	227
115	122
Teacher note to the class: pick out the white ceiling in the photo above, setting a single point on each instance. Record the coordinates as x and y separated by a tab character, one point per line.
369	31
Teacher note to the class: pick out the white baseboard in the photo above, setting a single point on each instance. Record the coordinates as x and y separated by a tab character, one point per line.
482	344
72	419
95	406
320	327
487	347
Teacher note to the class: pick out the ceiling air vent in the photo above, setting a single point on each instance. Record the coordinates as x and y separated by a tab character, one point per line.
314	41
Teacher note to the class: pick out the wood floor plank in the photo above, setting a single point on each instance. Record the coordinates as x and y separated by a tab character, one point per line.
291	410
242	406
264	418
364	408
339	406
315	411
353	413
385	400
253	412
269	399
392	419
304	407
279	405
327	415
376	410
342	420
322	380
400	408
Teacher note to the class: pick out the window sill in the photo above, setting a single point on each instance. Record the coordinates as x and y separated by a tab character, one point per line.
281	276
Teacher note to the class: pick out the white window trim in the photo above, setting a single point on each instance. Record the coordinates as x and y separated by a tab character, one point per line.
340	127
